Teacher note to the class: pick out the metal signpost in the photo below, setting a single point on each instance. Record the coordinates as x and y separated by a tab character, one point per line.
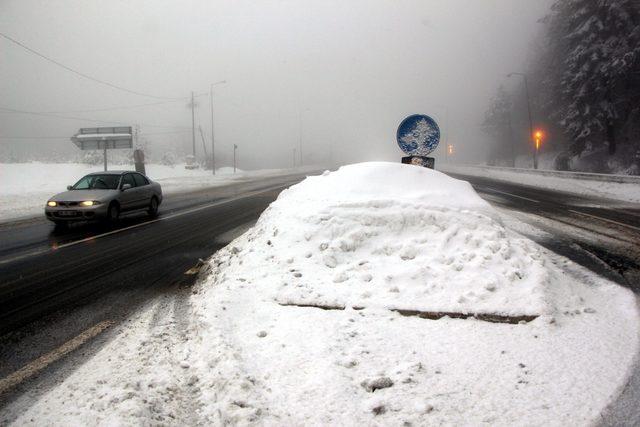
418	135
103	139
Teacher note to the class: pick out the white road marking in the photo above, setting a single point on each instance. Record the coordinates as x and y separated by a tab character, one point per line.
42	362
25	255
606	220
509	194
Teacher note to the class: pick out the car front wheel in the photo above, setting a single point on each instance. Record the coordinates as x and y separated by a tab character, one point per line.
153	207
113	214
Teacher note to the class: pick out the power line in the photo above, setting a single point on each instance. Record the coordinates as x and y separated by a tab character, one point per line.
95	110
83	119
79	73
122	107
67	137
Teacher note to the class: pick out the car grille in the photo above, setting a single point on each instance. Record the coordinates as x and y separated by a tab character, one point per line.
67	204
67	214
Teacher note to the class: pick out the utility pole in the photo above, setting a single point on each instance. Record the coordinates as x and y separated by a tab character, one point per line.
300	134
235	147
294	157
213	144
511	141
193	125
204	147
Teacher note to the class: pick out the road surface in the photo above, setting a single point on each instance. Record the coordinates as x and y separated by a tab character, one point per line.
61	291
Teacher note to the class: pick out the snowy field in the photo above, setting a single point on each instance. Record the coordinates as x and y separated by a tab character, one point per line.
294	322
610	190
26	187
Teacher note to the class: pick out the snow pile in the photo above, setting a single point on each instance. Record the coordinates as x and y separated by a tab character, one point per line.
388	235
295	324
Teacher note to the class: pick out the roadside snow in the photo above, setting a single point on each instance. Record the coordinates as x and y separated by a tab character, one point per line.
609	190
394	236
26	187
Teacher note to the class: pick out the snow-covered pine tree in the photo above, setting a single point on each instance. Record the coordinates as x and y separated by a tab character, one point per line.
599	41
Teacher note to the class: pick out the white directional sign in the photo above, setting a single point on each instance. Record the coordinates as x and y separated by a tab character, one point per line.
104	138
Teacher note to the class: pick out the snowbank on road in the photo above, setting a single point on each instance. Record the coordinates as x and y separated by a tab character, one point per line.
609	190
383	236
26	187
388	235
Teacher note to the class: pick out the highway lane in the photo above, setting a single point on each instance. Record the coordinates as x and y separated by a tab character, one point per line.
37	234
42	269
600	234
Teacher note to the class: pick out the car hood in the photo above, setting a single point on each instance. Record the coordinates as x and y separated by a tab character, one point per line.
80	195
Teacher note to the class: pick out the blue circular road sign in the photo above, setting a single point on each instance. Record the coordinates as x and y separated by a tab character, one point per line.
418	135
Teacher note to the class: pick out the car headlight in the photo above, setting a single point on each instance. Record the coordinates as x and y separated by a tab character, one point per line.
52	204
89	203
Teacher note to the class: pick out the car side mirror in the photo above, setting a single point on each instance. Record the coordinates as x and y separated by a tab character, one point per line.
126	186
69	187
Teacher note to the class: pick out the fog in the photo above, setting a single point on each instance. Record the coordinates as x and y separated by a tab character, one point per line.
332	77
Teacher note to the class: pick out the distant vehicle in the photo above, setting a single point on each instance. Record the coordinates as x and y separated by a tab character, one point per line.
104	196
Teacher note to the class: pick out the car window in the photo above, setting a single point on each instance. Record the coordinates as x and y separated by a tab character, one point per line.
140	180
100	182
128	179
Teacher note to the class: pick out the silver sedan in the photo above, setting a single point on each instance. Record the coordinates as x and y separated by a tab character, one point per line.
104	196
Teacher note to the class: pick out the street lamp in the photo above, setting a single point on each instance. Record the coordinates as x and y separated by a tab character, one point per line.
538	137
213	145
526	89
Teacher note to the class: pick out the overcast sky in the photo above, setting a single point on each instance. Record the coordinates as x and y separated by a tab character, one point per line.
346	71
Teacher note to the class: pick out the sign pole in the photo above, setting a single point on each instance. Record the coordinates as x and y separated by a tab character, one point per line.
105	156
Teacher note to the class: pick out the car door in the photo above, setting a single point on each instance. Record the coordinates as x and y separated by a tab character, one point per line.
145	192
128	198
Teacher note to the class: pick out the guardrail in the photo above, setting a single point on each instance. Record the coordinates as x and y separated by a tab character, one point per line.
628	179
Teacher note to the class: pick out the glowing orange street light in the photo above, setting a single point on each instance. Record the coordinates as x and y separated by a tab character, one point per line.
538	135
449	152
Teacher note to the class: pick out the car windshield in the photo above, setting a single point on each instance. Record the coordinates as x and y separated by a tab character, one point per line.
100	182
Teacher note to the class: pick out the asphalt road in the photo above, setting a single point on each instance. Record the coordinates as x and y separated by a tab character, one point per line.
600	234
